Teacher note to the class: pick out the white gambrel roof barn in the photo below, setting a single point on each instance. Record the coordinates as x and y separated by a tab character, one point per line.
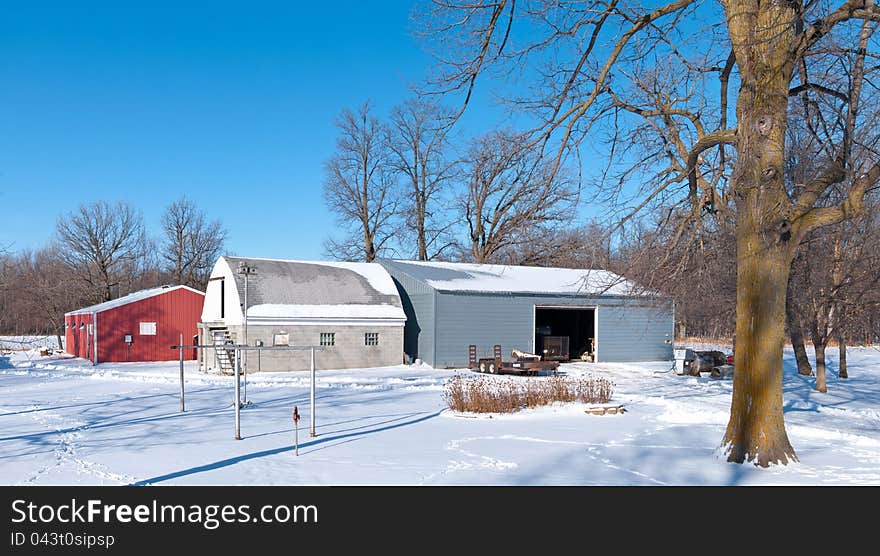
352	311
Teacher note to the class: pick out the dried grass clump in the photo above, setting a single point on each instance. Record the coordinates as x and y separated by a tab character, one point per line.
485	395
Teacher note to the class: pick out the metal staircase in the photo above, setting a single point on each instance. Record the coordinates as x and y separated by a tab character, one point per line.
225	356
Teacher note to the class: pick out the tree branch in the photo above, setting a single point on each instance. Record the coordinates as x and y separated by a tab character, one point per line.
719	137
850	206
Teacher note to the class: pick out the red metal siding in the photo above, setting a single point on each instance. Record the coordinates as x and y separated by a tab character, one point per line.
175	312
78	339
68	335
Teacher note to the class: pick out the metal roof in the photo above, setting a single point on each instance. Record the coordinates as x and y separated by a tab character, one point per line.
130	298
292	288
509	279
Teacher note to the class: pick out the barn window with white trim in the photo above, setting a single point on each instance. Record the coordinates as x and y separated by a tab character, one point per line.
328	339
371	339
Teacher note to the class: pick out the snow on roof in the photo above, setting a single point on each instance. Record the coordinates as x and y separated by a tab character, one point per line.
344	311
495	278
316	289
130	298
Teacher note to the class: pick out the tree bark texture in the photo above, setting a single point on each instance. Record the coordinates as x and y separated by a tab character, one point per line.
761	38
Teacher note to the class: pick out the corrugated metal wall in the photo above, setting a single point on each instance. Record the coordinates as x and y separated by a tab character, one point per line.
418	303
175	312
79	335
441	325
628	330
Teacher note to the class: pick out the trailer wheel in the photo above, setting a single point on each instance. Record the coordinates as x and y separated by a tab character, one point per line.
483	367
492	368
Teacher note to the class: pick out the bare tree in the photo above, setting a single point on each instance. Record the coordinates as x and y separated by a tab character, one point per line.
419	143
5	280
190	243
835	284
666	86
45	287
832	268
510	197
97	242
359	187
701	278
562	246
796	328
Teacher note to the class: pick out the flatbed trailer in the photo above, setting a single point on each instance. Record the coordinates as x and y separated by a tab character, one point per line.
520	365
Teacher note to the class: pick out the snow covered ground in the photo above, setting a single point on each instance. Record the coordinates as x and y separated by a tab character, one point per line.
64	421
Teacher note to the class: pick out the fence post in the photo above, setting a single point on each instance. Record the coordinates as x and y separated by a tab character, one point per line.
237	402
296	429
312	392
180	349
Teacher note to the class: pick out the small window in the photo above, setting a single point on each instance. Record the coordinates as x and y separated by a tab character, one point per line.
282	339
371	339
82	325
148	328
328	338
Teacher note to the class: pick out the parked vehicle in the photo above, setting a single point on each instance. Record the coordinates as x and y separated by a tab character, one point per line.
694	363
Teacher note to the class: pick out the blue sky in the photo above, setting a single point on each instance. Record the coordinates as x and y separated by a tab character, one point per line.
230	103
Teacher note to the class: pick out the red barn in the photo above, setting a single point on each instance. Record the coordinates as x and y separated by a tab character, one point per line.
141	326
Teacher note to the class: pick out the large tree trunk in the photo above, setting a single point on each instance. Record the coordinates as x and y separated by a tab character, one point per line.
756	430
819	345
479	252
841	340
761	38
796	334
369	248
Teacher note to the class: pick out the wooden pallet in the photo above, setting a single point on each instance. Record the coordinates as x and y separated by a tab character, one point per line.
605	410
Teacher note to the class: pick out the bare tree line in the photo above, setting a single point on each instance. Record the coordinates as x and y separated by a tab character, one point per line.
102	251
409	188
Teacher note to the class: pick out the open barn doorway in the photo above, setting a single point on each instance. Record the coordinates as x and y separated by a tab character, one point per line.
565	333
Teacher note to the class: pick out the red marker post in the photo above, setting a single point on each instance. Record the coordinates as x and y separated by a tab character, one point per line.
296	429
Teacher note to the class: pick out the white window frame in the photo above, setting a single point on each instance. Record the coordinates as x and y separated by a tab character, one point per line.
327	339
371	339
147	328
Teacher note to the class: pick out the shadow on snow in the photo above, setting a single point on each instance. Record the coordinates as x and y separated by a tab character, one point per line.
274	451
